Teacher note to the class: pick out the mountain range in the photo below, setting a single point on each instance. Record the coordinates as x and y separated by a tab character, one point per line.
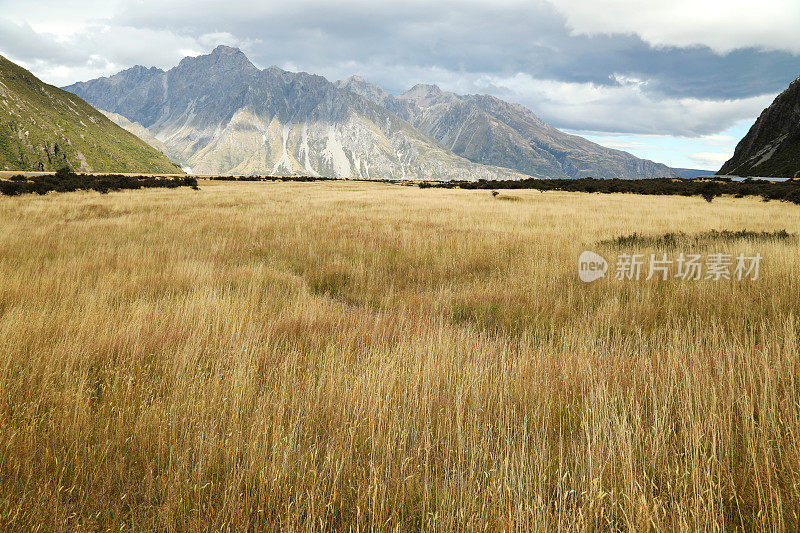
219	113
43	128
487	130
772	146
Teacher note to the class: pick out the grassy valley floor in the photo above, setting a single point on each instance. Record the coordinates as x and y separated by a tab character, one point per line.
337	355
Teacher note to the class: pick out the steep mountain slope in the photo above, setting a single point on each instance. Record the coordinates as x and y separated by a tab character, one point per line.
45	128
137	129
487	130
772	146
218	113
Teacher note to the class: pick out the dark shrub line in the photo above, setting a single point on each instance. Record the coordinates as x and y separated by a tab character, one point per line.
305	179
67	181
788	191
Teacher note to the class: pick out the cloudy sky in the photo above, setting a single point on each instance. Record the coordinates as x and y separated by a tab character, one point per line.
677	81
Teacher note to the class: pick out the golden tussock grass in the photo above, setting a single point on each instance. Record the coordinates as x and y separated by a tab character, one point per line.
345	356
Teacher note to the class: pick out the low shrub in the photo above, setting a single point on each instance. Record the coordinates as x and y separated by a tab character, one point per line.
65	180
787	191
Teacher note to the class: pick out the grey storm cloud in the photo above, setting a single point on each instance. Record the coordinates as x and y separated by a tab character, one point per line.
21	41
524	51
531	38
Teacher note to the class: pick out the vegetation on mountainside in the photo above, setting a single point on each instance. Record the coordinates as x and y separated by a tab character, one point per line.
785	162
43	128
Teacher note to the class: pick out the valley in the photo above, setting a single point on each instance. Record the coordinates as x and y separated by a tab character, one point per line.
336	355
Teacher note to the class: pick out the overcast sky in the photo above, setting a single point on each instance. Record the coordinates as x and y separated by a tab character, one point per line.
677	81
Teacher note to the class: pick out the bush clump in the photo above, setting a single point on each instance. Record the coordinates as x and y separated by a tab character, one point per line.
787	191
65	180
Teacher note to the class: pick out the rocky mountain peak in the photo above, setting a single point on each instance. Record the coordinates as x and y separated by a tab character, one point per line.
423	94
225	50
424	89
221	58
137	72
275	71
362	87
139	69
230	55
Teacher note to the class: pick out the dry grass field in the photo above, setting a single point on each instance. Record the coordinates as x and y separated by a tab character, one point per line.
356	356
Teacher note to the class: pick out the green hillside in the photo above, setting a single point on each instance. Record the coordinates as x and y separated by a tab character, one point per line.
45	128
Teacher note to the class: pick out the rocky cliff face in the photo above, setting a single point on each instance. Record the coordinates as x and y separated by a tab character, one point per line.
218	113
45	128
772	146
487	130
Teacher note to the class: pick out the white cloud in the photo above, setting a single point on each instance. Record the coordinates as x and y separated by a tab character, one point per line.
603	109
611	142
722	25
57	17
710	159
623	109
718	140
103	49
